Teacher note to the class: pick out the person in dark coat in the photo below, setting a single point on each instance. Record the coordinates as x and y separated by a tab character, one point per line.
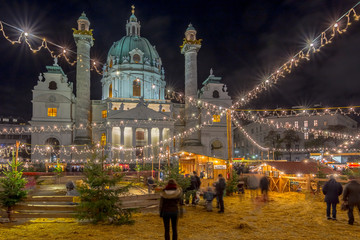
332	190
220	188
352	197
195	186
169	207
264	186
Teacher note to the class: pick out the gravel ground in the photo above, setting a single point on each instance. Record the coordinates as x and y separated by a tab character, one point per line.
286	216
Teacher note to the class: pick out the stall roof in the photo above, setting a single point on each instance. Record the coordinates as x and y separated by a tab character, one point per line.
300	167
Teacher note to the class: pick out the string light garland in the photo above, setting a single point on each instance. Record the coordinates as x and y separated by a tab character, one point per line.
44	44
326	37
300	150
317	132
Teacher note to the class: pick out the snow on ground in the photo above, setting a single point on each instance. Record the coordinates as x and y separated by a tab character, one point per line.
286	216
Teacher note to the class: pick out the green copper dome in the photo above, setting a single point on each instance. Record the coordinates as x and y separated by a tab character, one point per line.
126	44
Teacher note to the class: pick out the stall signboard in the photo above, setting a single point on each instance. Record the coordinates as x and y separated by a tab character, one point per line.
238	159
219	166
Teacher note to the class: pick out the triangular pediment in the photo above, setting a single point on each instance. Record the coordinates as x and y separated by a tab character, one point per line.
140	112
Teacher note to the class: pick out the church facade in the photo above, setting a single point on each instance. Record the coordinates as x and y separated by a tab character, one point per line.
133	120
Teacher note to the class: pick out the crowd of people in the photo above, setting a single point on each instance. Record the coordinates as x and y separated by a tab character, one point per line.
350	196
172	195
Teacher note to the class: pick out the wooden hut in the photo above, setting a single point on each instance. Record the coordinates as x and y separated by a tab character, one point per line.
210	166
293	176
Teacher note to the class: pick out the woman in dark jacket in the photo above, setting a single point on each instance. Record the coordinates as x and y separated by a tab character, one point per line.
332	190
169	207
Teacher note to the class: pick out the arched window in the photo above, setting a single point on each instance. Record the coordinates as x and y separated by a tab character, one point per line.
52	85
192	37
136	58
216	94
110	91
137	88
133	30
217	148
82	27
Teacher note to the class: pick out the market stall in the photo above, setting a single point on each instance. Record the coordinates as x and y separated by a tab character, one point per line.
208	168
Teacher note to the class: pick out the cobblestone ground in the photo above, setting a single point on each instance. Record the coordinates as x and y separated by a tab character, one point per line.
286	216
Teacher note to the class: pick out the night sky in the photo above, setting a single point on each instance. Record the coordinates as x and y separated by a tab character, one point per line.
243	41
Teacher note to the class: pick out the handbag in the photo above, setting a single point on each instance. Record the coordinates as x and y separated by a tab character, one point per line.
345	206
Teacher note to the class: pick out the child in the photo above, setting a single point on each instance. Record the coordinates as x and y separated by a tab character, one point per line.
209	196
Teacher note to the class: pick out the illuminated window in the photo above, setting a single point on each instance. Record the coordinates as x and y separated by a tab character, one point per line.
136	88
110	91
296	124
104	114
103	139
325	123
315	123
306	124
136	58
306	136
52	112
216	118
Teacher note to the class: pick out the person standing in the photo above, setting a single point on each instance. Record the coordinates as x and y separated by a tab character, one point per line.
352	197
150	183
253	184
220	188
332	190
264	186
169	207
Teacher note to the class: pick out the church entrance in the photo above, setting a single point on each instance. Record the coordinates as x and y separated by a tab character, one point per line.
54	146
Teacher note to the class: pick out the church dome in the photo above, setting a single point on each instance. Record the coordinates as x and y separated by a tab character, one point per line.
125	45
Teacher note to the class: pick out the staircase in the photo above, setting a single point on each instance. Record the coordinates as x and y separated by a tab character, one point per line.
45	207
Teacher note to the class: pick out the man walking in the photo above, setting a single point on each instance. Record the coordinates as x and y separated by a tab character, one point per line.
352	197
332	190
220	188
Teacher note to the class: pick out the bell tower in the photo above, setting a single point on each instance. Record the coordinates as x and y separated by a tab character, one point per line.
190	48
84	41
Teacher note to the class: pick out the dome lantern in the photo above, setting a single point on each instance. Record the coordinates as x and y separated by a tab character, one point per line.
133	26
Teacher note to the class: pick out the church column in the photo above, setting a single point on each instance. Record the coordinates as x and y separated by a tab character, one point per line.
122	137
190	49
160	137
149	142
134	142
84	41
171	142
109	141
